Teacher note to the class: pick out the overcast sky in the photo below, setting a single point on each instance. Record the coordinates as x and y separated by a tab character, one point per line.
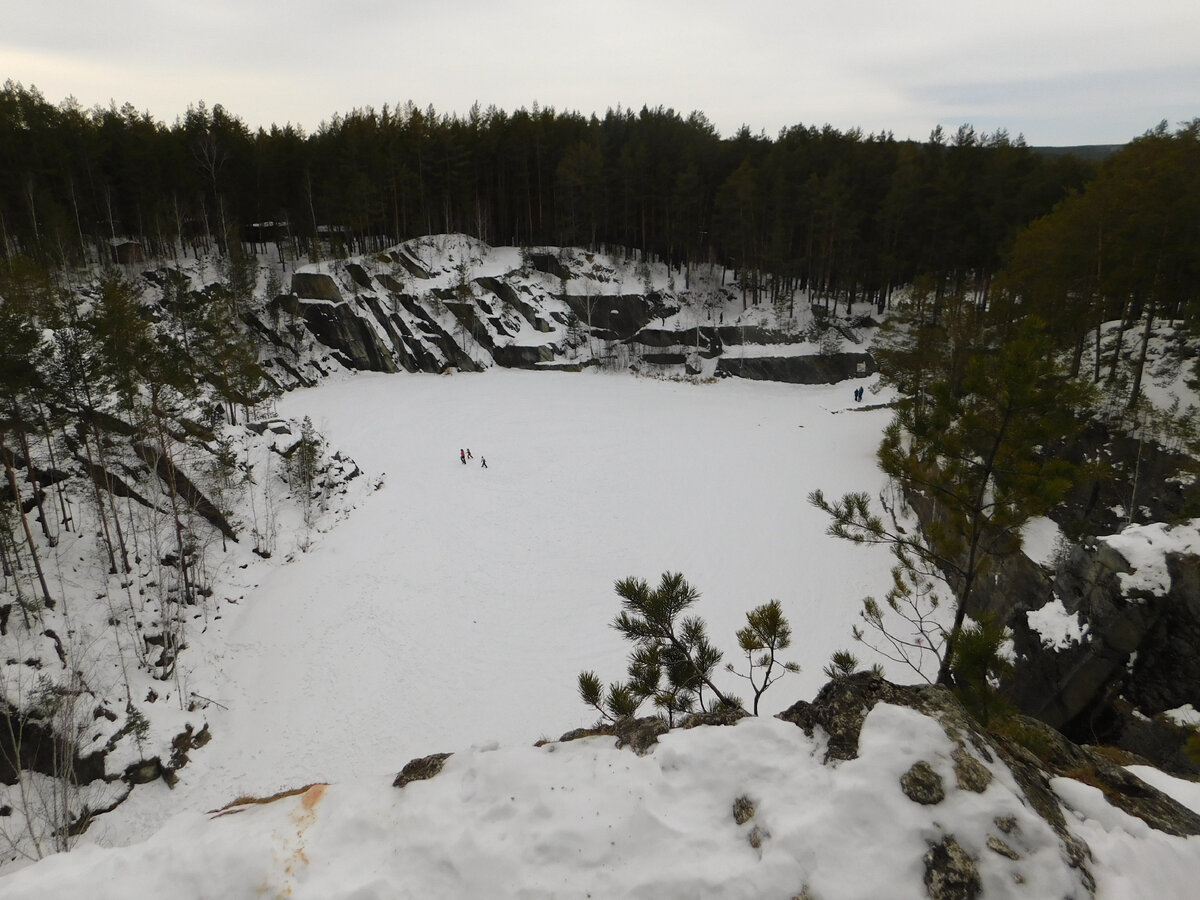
1058	71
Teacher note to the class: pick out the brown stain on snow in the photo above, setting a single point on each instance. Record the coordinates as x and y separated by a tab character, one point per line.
301	817
313	796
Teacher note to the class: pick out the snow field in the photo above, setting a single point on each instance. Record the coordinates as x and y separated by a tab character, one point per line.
458	604
585	819
451	612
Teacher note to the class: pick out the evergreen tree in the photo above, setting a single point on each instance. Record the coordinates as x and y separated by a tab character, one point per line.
22	361
672	663
975	453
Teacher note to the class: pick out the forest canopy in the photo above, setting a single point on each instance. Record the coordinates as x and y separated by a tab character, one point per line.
833	212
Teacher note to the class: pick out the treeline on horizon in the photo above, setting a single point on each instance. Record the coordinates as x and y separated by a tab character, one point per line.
840	214
814	207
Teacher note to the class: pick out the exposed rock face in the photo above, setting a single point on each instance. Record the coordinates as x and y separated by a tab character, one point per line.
1100	503
799	369
640	735
1167	675
412	266
1140	645
509	296
752	334
549	264
315	286
339	327
1137	651
705	341
841	707
183	486
969	773
373	316
360	276
618	317
720	716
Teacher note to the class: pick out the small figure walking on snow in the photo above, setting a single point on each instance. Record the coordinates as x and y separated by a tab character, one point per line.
463	456
469	456
483	462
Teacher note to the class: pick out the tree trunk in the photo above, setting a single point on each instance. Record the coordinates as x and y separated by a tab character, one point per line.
1138	369
37	563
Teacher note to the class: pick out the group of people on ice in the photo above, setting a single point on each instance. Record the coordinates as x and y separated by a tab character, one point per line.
464	455
858	395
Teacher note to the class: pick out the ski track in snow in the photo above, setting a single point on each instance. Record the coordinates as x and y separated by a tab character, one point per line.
457	605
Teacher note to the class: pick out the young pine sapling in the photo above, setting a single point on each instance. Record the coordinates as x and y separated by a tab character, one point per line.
672	663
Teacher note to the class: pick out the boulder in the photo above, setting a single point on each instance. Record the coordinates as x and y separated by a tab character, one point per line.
950	873
921	784
421	769
640	735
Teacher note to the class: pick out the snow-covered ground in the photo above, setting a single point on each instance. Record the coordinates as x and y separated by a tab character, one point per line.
457	605
584	819
452	611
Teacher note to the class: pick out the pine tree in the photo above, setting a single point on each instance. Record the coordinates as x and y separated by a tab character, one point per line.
23	357
974	453
766	633
672	663
302	466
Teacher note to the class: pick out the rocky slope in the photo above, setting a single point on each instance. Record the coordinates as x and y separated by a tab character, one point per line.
452	302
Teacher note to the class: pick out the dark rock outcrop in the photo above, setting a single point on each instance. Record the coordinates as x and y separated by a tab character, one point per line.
339	327
817	369
1123	480
640	735
183	486
360	276
363	335
1136	645
411	265
421	769
619	316
753	334
517	357
921	784
549	264
950	873
315	286
841	707
705	340
509	296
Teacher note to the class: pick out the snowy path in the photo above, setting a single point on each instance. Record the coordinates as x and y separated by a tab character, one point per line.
457	604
